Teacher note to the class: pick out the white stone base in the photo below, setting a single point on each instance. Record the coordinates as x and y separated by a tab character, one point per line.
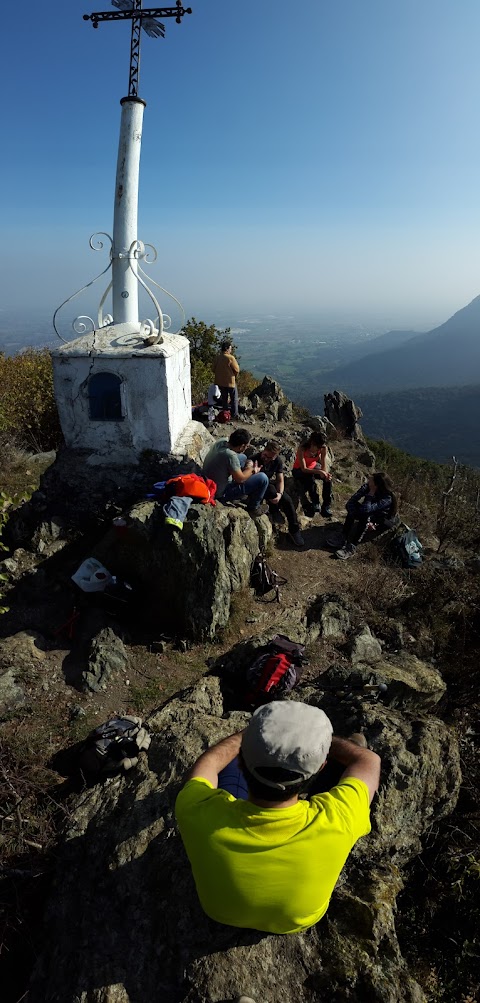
155	392
194	443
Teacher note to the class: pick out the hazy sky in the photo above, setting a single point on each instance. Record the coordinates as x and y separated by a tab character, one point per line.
322	155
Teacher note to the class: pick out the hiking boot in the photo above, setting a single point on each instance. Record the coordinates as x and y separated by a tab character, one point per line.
336	540
326	512
254	510
297	538
346	552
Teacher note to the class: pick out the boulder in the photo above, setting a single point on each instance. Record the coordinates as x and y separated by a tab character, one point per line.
400	680
344	414
367	458
21	655
107	657
285	411
22	651
268	391
133	930
9	566
185	579
409	682
332	615
12	693
364	648
319	424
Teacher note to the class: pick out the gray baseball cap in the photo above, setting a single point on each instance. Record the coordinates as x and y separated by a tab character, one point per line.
287	735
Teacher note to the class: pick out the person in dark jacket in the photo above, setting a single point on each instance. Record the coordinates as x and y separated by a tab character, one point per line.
270	461
374	506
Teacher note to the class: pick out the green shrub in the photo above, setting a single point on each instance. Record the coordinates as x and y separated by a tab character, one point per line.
27	404
205	344
434	497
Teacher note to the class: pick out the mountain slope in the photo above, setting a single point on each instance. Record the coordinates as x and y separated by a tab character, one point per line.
448	355
436	423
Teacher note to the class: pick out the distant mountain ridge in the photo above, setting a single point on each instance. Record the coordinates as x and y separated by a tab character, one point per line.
435	422
383	343
447	356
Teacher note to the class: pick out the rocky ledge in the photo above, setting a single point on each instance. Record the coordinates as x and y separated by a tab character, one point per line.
124	924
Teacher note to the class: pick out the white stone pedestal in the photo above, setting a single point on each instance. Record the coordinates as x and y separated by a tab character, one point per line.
117	397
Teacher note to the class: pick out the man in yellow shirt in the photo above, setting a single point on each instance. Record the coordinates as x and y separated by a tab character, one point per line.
265	859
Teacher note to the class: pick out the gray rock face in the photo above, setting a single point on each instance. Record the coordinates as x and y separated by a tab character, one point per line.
188	577
12	694
319	424
364	648
285	411
367	457
332	615
268	391
344	415
132	930
400	680
107	658
20	657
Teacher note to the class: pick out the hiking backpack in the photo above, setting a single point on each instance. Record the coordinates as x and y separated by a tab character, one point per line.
407	549
223	417
274	672
264	579
113	746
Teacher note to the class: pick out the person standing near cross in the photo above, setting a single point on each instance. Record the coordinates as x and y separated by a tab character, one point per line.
226	370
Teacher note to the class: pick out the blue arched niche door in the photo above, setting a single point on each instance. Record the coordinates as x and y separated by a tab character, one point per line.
106	397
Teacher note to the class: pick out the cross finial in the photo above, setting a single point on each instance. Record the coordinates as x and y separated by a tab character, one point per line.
146	19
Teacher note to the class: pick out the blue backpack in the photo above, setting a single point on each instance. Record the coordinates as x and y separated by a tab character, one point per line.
407	549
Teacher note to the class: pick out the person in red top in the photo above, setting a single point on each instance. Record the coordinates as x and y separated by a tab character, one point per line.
311	464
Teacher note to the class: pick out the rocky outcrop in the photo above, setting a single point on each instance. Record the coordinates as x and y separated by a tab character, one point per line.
21	658
344	415
133	931
185	580
106	659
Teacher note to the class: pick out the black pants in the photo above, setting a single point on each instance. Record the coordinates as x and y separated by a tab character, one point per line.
307	482
355	526
285	505
229	400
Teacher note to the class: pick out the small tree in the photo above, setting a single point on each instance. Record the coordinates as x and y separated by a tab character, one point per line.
27	403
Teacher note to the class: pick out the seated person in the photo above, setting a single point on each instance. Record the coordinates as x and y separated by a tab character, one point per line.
234	475
374	505
311	464
270	461
262	858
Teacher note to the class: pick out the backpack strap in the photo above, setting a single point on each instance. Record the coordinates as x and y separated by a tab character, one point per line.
278	581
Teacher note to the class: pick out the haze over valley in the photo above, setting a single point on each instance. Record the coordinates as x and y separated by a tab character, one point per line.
418	389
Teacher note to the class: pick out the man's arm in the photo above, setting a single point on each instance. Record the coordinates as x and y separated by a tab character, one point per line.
239	475
360	763
214	760
323	463
233	365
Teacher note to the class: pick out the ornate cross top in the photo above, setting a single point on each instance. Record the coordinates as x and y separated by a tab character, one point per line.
146	19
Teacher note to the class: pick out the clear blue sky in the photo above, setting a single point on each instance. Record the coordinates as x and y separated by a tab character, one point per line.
322	155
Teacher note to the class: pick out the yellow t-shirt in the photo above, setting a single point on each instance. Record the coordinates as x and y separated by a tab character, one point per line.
271	869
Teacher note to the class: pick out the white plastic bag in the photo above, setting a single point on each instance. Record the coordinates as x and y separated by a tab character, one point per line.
92	576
